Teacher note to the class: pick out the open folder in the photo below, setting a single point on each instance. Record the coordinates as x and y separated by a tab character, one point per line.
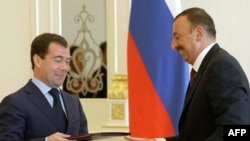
97	136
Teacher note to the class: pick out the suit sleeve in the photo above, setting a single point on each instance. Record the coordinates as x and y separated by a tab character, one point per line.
12	120
227	91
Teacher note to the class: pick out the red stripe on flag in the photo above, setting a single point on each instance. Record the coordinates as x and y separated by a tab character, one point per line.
148	117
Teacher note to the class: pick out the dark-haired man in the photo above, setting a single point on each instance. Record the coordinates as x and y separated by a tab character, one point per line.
29	114
219	94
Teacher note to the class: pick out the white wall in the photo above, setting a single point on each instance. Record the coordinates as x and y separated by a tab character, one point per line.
21	21
15	38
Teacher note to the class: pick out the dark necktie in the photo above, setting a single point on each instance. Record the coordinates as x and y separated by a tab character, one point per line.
192	76
57	107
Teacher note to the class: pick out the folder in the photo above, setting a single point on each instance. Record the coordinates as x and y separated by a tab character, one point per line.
97	136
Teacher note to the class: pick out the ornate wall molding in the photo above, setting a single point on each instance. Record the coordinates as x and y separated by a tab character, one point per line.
118	103
119	87
85	74
118	111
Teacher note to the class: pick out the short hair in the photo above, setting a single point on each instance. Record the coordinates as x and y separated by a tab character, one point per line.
41	44
103	46
197	16
72	49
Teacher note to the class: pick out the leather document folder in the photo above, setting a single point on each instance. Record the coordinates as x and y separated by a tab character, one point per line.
97	136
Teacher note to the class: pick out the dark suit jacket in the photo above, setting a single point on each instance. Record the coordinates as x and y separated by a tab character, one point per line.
103	92
219	96
27	115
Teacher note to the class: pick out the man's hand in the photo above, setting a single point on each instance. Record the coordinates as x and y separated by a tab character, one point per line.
58	137
129	138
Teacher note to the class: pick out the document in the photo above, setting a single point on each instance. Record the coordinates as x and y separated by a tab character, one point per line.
97	136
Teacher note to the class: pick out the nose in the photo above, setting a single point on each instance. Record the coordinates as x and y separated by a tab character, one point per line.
64	65
173	44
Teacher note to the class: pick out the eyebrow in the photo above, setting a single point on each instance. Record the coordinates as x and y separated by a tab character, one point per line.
68	58
175	34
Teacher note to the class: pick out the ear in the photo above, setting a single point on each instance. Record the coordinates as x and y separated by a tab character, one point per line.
37	60
199	32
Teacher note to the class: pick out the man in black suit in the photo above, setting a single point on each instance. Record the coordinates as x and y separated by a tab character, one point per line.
219	94
27	114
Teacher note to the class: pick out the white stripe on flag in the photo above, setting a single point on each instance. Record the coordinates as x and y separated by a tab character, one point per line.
174	6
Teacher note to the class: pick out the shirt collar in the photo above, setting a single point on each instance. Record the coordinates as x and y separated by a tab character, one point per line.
201	56
42	86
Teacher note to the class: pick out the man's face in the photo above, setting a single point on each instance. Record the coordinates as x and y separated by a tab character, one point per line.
53	69
184	39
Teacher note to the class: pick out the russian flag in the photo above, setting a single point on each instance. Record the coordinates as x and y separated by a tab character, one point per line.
157	75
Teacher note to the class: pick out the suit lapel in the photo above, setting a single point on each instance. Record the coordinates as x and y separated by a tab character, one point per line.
191	90
38	99
68	107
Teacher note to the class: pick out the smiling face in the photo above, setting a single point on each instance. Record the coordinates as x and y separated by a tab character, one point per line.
53	68
186	39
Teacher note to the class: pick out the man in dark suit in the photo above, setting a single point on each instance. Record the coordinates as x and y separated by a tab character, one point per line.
27	114
219	94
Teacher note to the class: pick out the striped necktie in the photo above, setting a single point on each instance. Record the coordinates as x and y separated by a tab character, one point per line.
59	113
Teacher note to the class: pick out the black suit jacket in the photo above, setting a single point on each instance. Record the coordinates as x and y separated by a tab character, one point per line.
27	115
219	96
103	92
